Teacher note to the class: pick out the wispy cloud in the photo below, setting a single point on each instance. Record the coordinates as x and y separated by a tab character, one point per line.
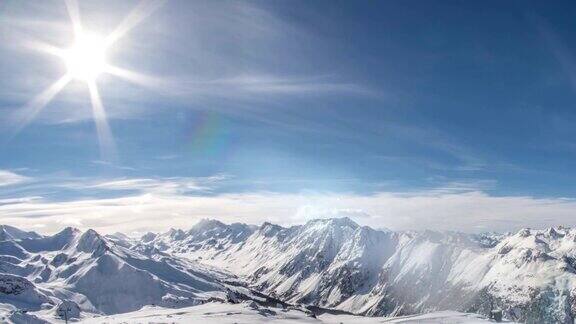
18	200
446	186
436	139
8	178
139	184
242	85
179	185
556	46
112	165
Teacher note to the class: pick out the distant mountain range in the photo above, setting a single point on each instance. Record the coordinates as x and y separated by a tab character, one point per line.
324	264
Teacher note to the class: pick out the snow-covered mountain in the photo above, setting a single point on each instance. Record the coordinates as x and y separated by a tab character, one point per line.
100	275
325	263
336	263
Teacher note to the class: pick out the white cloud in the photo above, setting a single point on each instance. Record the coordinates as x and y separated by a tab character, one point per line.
8	178
164	186
171	185
159	210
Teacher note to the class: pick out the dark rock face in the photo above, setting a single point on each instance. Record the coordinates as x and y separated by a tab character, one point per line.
21	292
12	285
59	259
68	310
546	306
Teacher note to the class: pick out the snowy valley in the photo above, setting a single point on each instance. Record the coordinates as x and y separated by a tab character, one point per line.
324	271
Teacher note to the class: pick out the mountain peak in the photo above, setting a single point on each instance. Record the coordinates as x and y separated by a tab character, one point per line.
66	236
92	242
268	229
206	223
337	221
525	232
148	237
68	231
8	232
176	234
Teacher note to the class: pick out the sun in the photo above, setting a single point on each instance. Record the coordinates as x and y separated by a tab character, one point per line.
86	59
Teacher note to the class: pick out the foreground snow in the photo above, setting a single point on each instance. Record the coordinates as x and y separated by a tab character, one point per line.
217	313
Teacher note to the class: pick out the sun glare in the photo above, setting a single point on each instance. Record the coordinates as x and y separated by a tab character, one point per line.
86	59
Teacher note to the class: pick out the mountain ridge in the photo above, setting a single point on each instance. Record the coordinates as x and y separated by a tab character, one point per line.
326	263
336	263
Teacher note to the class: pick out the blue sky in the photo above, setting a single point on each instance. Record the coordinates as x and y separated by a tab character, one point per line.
454	104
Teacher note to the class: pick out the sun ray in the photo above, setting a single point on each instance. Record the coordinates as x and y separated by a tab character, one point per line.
74	13
144	9
135	77
44	47
105	138
33	107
